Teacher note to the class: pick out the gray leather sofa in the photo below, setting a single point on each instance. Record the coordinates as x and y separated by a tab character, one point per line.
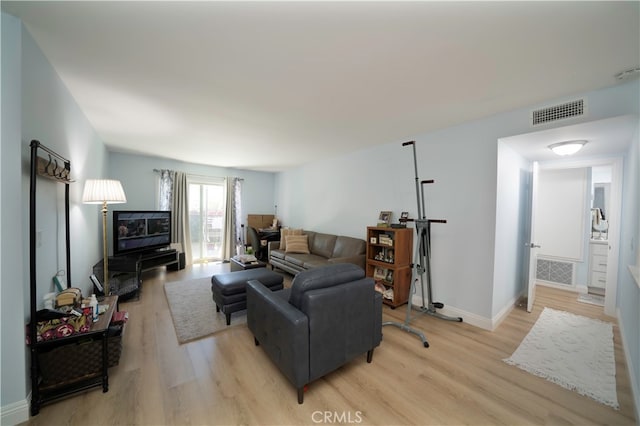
329	316
324	249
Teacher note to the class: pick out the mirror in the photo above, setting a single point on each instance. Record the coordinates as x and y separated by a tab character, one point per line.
600	194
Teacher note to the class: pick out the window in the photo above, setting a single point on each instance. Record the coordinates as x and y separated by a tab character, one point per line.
206	218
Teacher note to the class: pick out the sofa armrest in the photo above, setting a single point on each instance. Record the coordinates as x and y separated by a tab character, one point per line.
359	260
281	330
272	245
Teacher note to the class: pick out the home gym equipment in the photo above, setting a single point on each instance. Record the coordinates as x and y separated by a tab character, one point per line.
421	268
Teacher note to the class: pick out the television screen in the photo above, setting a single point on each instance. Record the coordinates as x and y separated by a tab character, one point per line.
137	231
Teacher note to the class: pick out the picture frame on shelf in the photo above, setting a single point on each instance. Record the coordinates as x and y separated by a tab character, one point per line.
379	273
373	240
384	219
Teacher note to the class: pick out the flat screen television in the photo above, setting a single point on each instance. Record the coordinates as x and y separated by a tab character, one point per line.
137	231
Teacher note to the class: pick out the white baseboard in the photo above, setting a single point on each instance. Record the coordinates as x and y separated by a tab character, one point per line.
504	312
635	392
468	317
484	323
15	413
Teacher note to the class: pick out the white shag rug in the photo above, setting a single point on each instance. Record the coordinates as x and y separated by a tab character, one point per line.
194	312
572	351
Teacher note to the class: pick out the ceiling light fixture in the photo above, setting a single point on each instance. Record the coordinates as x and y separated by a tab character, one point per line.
567	148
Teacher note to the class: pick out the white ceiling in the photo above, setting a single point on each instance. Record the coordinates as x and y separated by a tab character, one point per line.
271	85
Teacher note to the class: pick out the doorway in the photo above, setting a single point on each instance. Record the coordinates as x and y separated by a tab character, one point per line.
590	252
516	154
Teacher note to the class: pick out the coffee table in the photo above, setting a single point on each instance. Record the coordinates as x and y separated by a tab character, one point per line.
236	265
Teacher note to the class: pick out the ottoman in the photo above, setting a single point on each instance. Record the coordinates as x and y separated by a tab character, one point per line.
229	289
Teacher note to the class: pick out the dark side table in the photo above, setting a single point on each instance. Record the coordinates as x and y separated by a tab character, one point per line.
75	349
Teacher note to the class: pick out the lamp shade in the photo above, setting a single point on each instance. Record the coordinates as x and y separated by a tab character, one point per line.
98	191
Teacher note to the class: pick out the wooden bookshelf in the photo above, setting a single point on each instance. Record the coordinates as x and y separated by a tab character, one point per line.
389	254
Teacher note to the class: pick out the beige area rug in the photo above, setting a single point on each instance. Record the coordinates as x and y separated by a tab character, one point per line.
572	351
193	311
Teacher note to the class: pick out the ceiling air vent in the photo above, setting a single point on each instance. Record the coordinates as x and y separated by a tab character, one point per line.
558	112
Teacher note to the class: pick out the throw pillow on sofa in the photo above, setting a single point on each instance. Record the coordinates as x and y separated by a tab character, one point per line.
283	236
297	244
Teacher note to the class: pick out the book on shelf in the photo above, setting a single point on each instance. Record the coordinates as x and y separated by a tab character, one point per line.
385	239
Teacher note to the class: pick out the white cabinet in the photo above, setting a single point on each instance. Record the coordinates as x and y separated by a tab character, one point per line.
598	252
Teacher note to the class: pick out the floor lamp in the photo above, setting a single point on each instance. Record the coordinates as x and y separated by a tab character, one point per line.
104	191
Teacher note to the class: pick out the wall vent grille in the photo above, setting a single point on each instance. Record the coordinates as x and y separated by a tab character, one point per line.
558	112
555	271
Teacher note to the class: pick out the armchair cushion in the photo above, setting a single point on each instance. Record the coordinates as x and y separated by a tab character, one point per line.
321	278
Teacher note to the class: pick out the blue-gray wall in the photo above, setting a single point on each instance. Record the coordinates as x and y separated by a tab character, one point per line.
344	195
628	289
13	272
37	105
140	181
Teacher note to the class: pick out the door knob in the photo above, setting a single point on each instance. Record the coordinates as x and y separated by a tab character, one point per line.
532	245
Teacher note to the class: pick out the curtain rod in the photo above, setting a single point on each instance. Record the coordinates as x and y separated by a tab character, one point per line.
202	176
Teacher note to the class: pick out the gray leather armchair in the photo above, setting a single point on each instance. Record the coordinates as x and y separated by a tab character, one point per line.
329	316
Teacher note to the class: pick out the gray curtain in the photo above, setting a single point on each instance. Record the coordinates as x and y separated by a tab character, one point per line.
173	196
232	217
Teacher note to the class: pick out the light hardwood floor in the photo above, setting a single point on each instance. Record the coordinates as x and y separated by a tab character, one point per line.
227	380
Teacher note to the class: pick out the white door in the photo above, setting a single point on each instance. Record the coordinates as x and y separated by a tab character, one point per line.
533	247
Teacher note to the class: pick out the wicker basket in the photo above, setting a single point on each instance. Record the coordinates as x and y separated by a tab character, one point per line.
78	360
